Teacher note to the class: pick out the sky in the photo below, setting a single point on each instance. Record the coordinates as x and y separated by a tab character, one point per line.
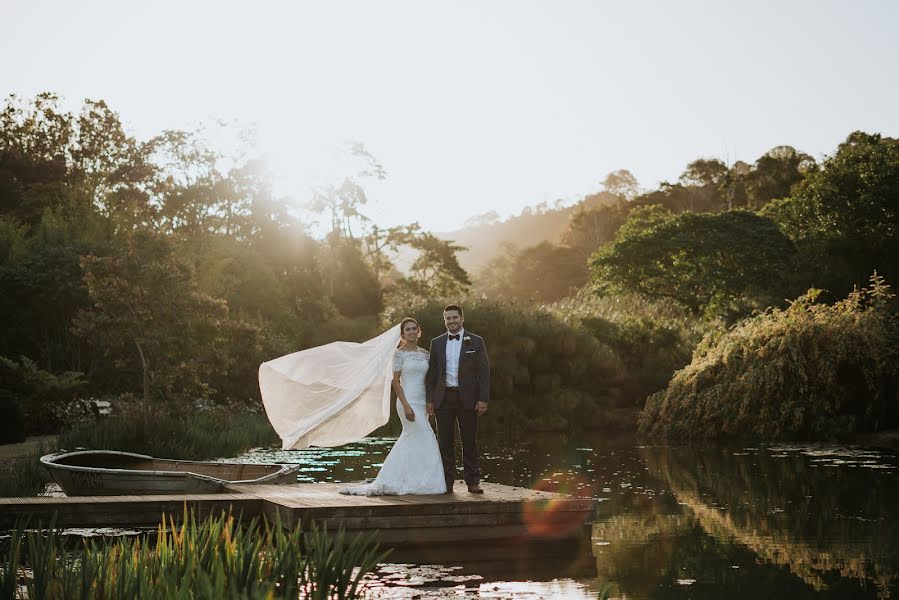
473	106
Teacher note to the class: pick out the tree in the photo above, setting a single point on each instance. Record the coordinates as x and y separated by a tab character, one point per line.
622	183
379	240
590	228
483	220
774	174
354	289
543	273
844	216
713	263
437	269
50	158
146	308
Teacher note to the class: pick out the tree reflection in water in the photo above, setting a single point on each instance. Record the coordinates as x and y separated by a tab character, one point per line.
770	522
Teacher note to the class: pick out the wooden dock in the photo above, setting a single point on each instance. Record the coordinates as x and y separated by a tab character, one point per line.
501	512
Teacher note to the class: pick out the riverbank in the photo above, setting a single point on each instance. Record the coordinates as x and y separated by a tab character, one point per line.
10	452
888	439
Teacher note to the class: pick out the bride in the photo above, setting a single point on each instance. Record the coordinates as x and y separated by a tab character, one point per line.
413	465
340	392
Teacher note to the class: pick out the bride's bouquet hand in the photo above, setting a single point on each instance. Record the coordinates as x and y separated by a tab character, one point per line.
410	414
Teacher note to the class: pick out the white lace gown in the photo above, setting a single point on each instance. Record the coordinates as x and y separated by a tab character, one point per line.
413	465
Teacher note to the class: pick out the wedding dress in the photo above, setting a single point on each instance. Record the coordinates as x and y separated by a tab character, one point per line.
329	395
340	392
413	465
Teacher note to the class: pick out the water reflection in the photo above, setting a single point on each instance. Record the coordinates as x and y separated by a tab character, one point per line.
672	522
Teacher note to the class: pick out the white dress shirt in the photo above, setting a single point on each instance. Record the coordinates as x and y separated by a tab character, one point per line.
453	352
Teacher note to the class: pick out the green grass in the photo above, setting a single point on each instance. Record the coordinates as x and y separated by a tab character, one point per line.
203	436
24	476
216	557
199	436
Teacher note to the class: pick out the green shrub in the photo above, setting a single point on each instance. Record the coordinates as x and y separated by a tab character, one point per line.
652	339
12	419
809	371
24	475
43	395
197	435
545	373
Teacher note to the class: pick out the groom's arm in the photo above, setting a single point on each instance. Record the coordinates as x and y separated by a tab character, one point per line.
431	378
483	374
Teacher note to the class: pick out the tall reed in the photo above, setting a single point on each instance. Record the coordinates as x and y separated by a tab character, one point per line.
216	557
199	436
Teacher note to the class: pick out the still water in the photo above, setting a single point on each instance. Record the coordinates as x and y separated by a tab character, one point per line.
776	521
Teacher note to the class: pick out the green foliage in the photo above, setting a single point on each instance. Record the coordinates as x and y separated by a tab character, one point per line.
148	310
43	286
808	371
653	339
147	266
545	373
192	435
436	269
592	226
12	418
353	287
215	557
202	433
722	264
844	217
540	274
24	476
43	396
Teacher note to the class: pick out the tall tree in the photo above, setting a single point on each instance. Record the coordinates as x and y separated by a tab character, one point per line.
844	216
146	308
706	262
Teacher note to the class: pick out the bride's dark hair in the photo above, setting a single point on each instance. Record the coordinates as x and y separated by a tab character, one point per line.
403	327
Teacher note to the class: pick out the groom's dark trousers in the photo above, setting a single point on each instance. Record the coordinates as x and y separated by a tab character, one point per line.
454	405
450	412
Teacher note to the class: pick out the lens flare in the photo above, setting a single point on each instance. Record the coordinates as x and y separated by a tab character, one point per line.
557	516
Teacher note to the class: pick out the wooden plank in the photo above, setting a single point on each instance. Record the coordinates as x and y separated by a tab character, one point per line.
501	512
433	509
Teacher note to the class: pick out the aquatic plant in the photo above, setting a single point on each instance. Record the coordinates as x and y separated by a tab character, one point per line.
215	557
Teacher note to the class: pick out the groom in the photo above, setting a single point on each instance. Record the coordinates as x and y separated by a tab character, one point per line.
458	388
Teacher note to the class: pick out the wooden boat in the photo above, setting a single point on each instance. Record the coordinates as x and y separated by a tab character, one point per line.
111	473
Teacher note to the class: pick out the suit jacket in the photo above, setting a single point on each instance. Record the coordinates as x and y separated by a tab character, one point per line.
474	371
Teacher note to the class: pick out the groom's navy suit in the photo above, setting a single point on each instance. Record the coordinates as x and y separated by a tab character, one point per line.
459	404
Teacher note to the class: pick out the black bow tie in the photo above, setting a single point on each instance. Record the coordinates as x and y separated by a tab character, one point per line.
454	337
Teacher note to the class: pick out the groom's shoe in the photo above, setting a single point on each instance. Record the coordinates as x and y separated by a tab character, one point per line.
475	488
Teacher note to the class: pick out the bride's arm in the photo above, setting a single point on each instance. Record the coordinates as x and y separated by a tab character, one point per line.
398	388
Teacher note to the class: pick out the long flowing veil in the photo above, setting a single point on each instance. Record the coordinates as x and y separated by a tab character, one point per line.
332	394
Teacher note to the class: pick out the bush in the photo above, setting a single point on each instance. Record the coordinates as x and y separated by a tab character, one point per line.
652	339
545	373
199	434
44	396
24	476
809	371
12	419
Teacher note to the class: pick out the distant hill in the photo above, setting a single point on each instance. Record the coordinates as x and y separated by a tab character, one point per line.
485	234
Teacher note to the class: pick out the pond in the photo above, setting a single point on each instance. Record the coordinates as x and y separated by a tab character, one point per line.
750	521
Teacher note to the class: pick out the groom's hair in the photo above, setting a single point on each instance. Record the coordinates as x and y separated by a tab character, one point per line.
450	307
